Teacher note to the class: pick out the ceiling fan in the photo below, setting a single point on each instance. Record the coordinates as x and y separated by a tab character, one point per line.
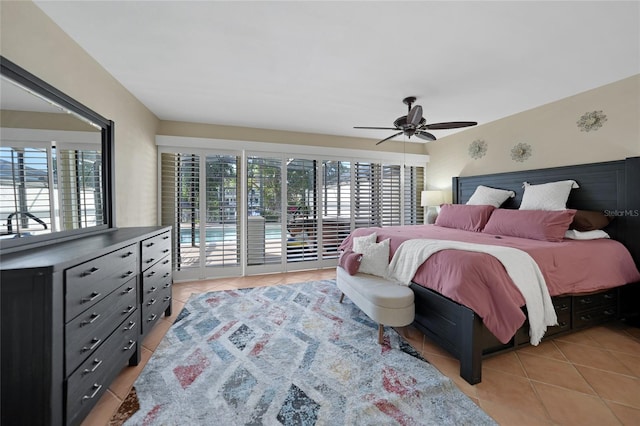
414	124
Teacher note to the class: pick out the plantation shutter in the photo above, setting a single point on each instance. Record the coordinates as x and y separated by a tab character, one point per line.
413	186
336	205
222	244
180	199
264	207
367	195
25	190
391	196
302	210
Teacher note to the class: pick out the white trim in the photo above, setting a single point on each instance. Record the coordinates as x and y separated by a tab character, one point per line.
10	134
267	148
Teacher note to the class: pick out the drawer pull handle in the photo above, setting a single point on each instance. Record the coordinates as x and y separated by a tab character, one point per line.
165	262
93	317
563	307
167	285
609	296
152	289
97	363
609	312
152	318
166	275
166	298
150	260
131	325
150	244
131	344
166	237
127	274
585	317
586	301
97	388
127	254
151	302
562	324
90	271
165	251
150	274
127	290
129	309
92	297
95	342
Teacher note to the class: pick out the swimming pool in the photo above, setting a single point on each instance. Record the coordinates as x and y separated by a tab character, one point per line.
220	233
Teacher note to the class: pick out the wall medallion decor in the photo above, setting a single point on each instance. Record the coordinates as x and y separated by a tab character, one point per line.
520	152
591	121
477	149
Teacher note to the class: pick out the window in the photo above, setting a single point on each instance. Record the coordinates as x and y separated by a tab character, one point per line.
273	212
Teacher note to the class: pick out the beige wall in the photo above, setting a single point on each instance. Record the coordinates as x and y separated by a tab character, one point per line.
30	39
552	132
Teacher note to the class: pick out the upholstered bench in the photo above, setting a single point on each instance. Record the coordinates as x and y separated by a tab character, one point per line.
383	301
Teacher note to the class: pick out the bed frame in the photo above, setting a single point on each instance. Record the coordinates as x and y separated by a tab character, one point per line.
612	187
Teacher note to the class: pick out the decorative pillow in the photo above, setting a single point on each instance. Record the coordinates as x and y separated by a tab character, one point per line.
359	243
596	234
350	261
484	195
375	259
585	220
547	196
533	224
462	216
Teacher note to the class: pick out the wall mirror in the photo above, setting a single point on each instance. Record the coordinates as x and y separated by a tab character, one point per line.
56	163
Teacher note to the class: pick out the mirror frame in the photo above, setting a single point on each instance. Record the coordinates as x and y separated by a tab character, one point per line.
23	77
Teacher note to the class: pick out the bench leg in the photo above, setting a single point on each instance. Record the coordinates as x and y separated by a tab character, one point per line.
380	333
341	297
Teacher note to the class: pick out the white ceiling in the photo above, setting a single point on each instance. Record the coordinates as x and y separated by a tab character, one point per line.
324	67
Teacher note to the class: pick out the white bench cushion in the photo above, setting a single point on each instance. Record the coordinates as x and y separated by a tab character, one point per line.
383	301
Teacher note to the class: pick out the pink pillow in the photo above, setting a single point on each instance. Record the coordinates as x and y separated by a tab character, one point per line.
544	225
464	216
350	261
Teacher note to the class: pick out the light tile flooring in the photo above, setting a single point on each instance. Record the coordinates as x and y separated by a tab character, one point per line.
588	378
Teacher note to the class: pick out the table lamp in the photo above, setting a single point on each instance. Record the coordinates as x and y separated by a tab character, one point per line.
431	200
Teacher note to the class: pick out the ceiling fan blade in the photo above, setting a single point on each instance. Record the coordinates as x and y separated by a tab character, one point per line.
450	125
376	128
392	136
415	115
425	135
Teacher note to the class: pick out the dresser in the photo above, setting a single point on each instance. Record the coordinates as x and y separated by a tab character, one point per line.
74	314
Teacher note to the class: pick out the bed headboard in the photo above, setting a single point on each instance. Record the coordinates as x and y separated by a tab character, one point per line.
612	187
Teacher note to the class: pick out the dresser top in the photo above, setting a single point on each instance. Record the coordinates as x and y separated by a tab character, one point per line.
71	252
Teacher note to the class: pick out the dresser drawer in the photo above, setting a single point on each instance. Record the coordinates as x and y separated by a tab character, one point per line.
156	278
93	377
153	308
89	330
155	248
90	282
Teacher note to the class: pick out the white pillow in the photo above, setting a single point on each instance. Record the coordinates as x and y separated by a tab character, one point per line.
359	243
547	196
375	259
484	195
596	234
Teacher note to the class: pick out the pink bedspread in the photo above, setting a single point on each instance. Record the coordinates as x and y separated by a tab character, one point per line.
480	282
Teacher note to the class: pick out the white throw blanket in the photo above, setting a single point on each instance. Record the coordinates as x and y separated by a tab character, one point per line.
522	269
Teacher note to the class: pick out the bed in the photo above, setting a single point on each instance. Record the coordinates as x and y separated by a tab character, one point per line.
610	187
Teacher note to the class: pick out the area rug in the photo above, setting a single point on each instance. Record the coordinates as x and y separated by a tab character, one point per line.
291	355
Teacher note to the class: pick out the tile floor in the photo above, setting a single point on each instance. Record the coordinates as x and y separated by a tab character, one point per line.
588	378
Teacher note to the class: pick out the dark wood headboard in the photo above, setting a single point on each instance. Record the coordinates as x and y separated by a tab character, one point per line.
612	187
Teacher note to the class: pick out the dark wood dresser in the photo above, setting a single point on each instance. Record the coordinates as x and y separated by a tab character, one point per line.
74	314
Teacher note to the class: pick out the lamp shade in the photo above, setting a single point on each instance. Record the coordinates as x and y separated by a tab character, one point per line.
431	198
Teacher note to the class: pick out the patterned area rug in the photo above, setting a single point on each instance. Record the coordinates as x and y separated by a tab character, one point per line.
291	355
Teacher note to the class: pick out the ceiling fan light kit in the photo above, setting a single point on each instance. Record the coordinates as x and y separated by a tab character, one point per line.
414	124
